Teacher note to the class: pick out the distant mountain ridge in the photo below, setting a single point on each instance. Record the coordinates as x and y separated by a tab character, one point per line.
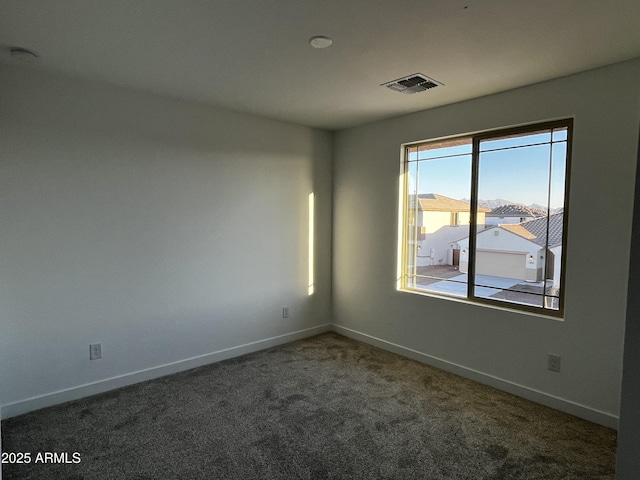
499	202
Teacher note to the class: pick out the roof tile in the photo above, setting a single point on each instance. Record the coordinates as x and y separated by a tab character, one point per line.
536	230
516	210
434	202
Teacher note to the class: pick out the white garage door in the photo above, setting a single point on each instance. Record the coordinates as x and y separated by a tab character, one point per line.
501	264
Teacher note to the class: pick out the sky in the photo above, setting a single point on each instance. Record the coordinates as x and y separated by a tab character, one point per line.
520	175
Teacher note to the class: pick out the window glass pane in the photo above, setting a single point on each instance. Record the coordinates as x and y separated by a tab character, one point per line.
553	265
507	259
442	217
517	257
515	176
558	169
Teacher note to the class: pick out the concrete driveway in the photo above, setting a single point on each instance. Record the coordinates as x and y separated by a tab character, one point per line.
485	285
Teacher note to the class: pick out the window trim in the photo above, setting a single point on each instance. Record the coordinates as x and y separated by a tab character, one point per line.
477	138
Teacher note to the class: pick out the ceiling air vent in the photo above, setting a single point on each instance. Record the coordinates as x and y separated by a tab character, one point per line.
412	84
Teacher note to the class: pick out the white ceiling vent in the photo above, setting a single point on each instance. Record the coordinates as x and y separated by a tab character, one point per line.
412	84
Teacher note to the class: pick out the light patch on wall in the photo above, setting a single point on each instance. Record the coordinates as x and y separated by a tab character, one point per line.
311	245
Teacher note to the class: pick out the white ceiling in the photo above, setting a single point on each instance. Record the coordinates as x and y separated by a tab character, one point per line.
254	55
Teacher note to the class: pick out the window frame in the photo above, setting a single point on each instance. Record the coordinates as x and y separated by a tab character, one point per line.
476	139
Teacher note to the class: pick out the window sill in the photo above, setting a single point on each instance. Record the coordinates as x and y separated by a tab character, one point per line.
479	303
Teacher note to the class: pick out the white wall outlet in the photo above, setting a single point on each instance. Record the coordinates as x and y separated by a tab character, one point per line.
553	362
95	351
285	312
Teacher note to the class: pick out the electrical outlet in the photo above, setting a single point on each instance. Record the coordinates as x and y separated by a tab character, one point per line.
95	351
553	362
285	312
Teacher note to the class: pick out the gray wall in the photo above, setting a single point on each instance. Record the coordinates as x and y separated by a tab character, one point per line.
628	461
169	232
501	347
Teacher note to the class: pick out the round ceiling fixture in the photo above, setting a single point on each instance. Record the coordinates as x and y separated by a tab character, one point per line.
23	55
320	41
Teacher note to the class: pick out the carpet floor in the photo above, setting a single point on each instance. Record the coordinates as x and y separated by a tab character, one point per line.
324	407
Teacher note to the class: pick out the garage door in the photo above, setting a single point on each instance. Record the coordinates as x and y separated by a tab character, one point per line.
501	264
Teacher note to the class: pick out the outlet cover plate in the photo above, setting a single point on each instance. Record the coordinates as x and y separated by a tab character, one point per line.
95	351
553	362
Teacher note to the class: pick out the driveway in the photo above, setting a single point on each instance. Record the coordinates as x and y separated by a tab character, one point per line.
485	285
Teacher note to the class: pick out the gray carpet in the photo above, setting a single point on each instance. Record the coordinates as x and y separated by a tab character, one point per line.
324	407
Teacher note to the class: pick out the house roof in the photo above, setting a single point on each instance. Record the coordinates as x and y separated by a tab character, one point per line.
434	202
516	210
536	230
519	230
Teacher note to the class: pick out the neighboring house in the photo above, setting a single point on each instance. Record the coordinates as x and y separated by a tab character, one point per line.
518	251
513	213
440	221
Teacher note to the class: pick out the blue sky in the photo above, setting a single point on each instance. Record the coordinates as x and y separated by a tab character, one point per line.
519	175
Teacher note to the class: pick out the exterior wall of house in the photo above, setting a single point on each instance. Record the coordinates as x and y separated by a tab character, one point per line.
535	265
457	335
533	274
440	238
437	247
434	221
505	242
557	265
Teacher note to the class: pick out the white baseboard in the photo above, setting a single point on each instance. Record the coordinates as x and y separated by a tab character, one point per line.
567	406
74	393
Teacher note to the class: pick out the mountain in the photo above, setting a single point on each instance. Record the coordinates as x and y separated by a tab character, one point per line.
498	202
538	207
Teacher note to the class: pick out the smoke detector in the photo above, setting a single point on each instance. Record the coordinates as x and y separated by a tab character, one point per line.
320	41
412	84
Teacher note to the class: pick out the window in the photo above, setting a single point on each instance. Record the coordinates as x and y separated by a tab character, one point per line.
450	186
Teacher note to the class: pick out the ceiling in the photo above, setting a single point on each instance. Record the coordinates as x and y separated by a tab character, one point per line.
254	55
